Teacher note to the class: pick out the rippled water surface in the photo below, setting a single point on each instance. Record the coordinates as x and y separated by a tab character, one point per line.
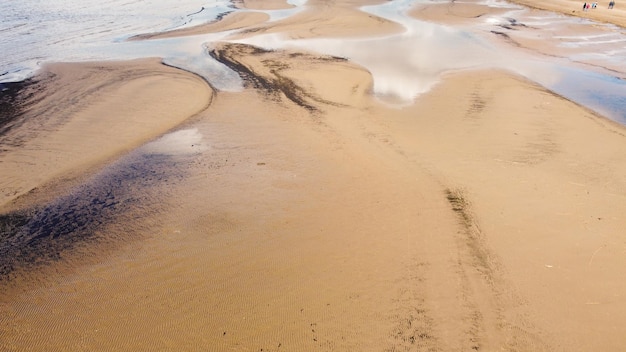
35	31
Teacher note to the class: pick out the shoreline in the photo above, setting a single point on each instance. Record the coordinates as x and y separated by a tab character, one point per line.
302	213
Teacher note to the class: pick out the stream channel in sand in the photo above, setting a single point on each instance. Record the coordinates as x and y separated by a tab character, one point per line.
584	68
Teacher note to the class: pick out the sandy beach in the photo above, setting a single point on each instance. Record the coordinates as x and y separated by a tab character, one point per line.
146	210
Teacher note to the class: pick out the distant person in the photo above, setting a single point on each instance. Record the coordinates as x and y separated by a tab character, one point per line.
585	6
611	4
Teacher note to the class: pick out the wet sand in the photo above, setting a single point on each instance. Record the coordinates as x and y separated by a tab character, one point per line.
304	214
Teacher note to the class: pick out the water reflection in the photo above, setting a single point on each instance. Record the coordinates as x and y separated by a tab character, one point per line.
402	65
277	15
408	64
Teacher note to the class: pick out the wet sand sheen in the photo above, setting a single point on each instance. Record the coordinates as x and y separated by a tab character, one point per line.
315	217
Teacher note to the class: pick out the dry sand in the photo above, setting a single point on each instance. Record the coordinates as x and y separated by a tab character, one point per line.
488	215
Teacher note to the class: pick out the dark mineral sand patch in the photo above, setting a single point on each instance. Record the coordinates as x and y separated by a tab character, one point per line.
108	207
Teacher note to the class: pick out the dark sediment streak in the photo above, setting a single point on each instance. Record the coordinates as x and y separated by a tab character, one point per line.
108	208
16	98
197	12
17	107
273	84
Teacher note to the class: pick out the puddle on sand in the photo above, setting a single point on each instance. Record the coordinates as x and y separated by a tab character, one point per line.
402	66
576	58
410	63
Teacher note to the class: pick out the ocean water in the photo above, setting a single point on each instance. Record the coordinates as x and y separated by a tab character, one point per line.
36	31
586	66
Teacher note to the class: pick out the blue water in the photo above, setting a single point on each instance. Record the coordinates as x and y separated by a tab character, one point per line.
403	65
602	93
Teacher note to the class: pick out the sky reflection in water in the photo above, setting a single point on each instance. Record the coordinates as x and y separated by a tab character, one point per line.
403	65
410	63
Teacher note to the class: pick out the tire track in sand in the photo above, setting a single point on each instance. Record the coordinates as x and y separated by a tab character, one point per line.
454	295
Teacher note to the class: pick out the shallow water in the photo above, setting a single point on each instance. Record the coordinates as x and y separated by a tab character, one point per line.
402	65
37	31
581	67
408	64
